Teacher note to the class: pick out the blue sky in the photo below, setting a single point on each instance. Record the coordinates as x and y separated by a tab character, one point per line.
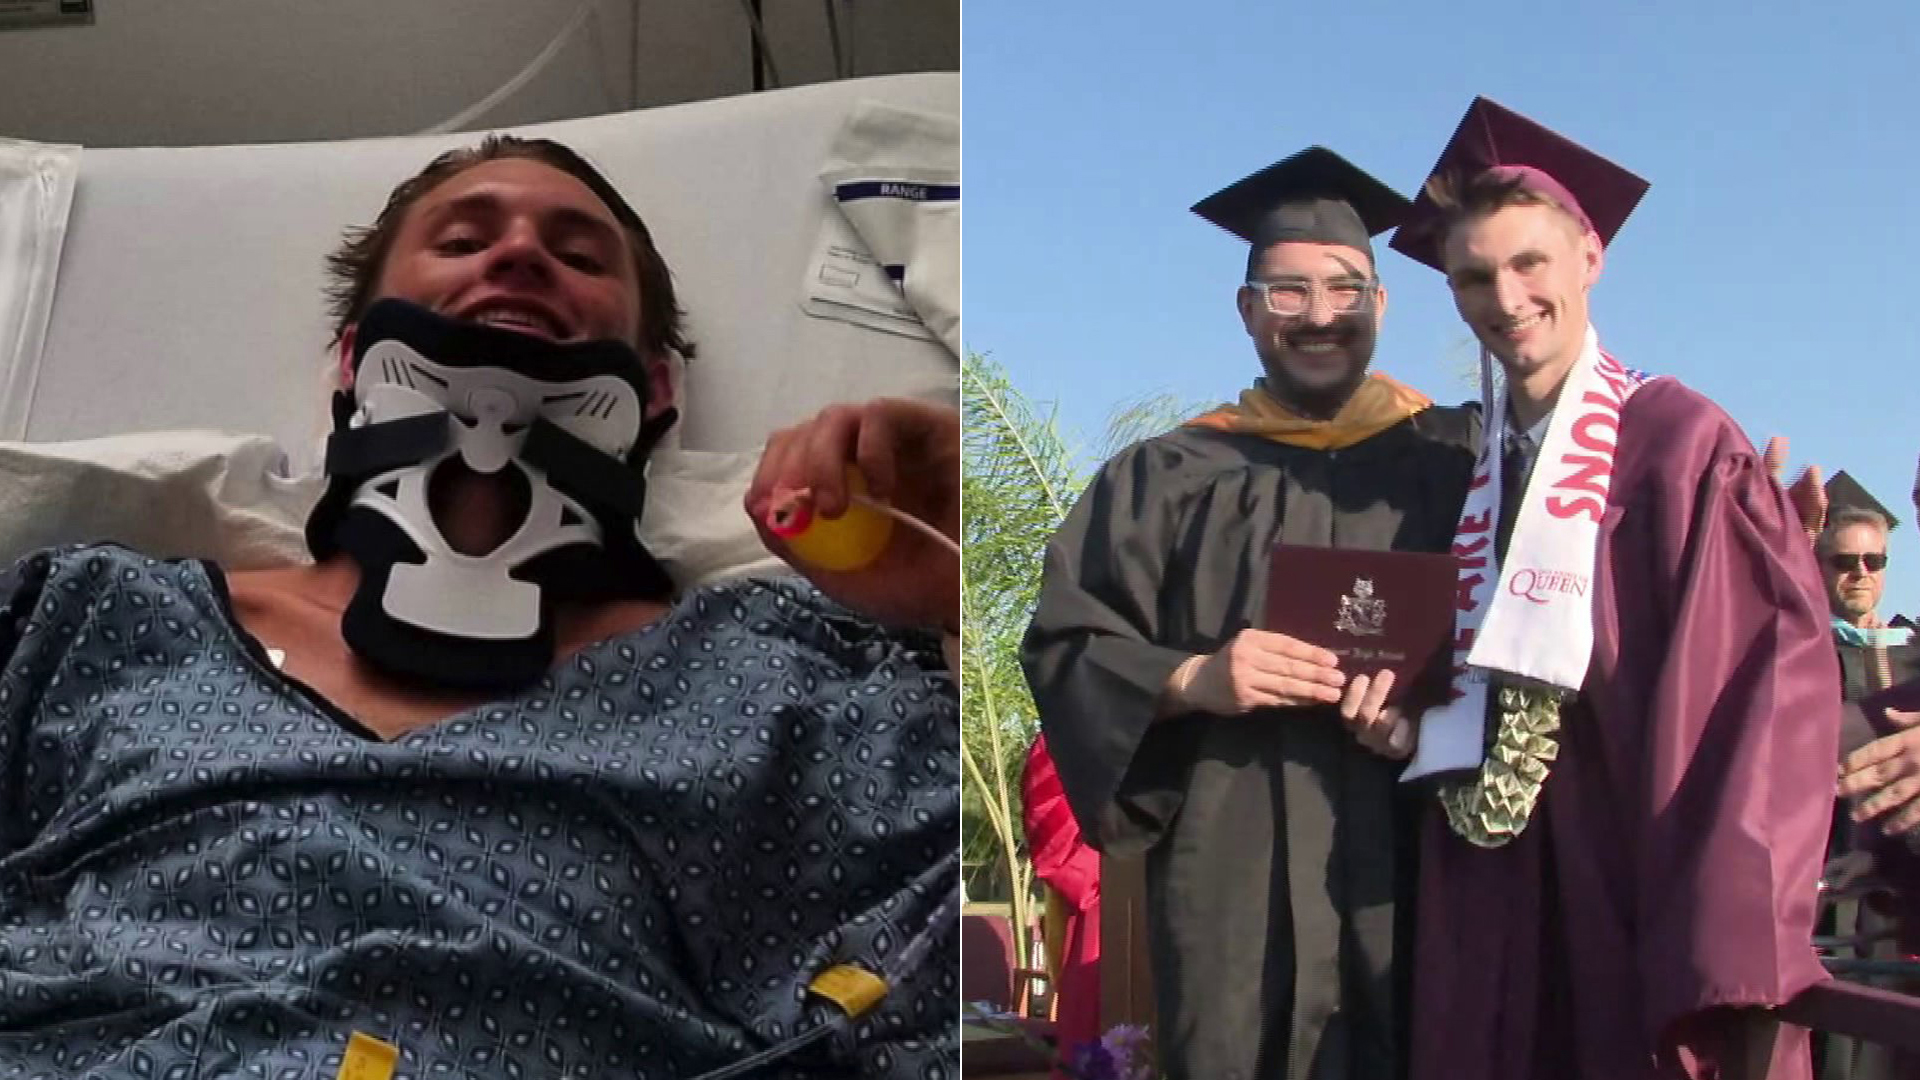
1770	266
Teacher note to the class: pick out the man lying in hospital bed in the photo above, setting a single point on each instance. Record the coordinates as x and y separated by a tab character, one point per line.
476	789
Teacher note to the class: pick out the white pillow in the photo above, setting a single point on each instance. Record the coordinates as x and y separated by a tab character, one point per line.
177	494
695	522
229	498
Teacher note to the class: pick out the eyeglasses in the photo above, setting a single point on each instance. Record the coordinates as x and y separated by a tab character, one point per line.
1845	561
1294	296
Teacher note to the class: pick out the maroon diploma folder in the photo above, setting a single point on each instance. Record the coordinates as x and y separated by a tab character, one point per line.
1375	610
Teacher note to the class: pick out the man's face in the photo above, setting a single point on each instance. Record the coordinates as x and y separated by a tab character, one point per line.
1852	589
1520	277
1315	359
521	245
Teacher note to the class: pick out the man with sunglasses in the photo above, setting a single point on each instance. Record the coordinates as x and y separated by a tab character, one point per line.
1853	561
1876	773
1276	843
1855	576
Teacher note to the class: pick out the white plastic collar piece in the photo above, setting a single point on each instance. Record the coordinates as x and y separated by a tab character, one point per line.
473	596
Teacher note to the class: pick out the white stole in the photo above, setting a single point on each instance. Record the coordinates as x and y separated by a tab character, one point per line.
1531	617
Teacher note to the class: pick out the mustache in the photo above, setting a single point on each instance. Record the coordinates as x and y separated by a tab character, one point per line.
1340	332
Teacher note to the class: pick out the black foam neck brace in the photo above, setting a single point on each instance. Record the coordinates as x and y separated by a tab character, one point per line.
459	343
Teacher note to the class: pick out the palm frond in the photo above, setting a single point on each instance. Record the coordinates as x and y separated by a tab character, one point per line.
1020	476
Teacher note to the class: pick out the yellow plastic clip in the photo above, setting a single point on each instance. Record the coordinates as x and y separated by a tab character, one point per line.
368	1059
854	989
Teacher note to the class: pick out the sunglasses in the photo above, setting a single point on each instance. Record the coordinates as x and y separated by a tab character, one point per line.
1846	561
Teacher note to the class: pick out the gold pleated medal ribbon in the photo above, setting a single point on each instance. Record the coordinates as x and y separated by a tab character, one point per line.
1495	806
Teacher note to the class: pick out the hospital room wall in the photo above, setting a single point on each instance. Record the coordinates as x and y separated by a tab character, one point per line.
202	72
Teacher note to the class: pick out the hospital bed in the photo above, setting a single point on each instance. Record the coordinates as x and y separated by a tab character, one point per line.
163	342
164	367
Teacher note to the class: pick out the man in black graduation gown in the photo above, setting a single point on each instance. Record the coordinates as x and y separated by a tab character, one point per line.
1874	654
1277	846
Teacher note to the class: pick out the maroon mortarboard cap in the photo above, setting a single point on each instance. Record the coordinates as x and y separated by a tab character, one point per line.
1316	196
1845	493
1491	137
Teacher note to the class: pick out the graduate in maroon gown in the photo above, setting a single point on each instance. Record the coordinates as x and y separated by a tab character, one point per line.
1635	775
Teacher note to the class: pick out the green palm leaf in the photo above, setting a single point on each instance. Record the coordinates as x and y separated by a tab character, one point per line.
1020	476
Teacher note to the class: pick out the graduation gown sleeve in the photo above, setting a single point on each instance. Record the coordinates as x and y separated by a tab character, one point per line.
1733	767
1099	652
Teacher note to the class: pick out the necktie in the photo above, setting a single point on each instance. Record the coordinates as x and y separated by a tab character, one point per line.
1513	486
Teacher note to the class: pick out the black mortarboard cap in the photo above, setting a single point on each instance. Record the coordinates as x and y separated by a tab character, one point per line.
1845	493
1492	136
1316	196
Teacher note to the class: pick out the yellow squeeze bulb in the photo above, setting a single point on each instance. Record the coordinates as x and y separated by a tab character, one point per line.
848	542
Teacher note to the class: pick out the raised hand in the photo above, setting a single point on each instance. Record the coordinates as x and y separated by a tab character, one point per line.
1808	494
909	454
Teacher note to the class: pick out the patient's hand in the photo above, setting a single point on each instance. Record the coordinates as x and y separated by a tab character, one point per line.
910	455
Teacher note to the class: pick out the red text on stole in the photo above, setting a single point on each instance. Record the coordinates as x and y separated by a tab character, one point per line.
1470	546
1584	474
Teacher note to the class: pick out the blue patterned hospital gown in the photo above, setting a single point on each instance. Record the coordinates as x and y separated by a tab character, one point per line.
632	869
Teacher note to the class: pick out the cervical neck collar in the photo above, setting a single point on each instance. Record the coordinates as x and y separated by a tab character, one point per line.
564	423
